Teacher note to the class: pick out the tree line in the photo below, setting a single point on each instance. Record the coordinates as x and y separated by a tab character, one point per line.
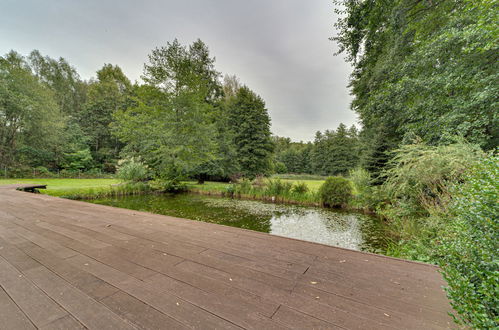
184	120
333	152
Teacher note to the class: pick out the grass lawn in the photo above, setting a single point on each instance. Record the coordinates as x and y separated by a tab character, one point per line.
61	187
313	185
90	187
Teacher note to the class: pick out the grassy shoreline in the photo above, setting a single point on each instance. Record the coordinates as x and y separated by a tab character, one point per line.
98	188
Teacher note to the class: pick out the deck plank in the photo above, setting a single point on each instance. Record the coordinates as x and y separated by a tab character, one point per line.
70	264
40	309
88	311
11	316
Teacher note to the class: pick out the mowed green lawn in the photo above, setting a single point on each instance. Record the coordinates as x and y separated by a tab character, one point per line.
59	187
62	187
313	185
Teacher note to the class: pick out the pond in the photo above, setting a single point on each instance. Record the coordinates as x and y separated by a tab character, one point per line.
336	228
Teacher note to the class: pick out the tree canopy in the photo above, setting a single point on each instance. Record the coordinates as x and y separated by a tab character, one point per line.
423	68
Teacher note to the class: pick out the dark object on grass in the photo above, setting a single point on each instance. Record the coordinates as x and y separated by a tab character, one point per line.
33	188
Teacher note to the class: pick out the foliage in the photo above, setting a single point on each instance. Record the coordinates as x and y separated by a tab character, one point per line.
333	152
78	160
244	187
300	188
181	81
423	68
335	192
277	187
249	123
31	124
421	176
470	249
307	177
280	167
133	170
169	186
364	191
108	94
182	122
62	79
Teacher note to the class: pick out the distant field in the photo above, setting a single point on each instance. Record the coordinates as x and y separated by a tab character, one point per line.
59	187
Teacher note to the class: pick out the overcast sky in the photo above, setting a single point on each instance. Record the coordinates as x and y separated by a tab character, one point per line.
279	48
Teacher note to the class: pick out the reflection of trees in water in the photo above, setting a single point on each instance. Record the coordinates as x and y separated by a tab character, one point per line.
308	223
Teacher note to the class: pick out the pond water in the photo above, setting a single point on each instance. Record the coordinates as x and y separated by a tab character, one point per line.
343	229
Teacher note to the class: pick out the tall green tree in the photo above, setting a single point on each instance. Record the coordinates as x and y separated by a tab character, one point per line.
106	95
342	151
62	78
31	123
424	68
170	125
249	122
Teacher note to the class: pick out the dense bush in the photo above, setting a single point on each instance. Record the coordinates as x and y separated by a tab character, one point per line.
335	192
244	186
132	170
416	194
169	186
419	176
277	187
470	250
364	190
300	188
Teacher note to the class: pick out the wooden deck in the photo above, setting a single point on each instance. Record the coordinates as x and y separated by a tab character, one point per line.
70	265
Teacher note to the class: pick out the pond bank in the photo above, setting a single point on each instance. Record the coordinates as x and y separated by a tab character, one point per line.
320	225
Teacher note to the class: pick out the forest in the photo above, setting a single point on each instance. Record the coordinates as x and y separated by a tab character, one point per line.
185	121
423	157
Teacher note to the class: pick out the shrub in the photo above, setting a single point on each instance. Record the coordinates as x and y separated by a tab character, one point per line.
280	167
362	183
133	170
244	187
259	182
470	251
300	188
420	176
229	190
278	187
42	171
335	192
170	186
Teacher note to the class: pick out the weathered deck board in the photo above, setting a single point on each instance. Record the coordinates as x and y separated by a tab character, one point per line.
69	264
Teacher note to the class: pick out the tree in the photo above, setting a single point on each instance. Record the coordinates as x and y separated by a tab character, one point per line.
62	79
342	153
108	94
170	127
250	125
335	152
31	123
424	68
